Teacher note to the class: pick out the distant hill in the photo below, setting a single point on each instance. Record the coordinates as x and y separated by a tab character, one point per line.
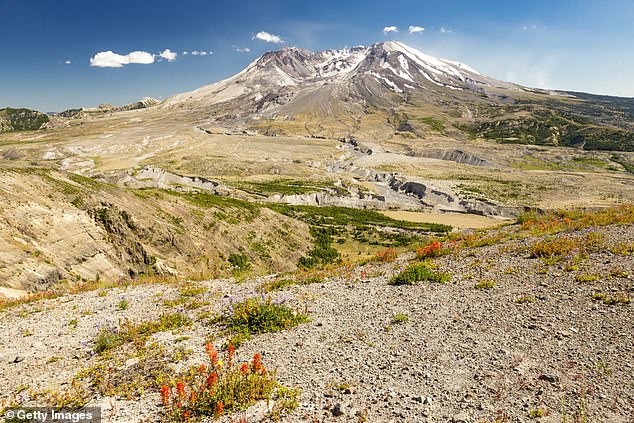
12	120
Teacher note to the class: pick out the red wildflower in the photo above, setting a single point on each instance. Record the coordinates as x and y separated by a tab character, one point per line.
180	389
232	351
219	409
212	379
165	394
244	369
256	362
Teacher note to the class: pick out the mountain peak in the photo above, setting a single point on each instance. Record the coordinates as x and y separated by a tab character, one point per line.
369	74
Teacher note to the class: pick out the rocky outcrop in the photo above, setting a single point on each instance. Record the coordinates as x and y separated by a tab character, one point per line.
155	177
457	156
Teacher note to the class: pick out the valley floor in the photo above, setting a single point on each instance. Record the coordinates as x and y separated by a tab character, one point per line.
509	338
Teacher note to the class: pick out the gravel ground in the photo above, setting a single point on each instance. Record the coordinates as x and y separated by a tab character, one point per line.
463	355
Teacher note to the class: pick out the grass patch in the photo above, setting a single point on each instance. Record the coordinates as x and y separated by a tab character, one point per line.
344	216
111	337
281	283
615	299
485	284
524	299
555	249
400	318
587	277
419	273
562	220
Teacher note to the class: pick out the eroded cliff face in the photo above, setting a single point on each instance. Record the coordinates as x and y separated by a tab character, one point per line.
57	227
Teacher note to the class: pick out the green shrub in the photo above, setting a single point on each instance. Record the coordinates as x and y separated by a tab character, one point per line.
239	262
419	273
260	315
485	285
400	318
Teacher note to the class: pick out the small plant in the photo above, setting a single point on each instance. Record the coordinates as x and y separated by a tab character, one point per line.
110	337
219	388
400	318
485	284
537	412
278	284
586	277
239	262
608	299
102	293
123	304
73	323
259	315
623	248
386	256
418	273
524	299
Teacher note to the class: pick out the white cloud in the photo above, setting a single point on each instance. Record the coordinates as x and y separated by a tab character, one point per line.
444	30
389	29
168	55
413	29
268	37
243	50
68	62
199	53
185	53
529	27
108	59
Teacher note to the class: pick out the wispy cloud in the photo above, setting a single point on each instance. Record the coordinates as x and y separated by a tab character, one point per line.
529	27
243	49
445	30
389	29
413	29
168	55
199	53
68	62
108	59
268	37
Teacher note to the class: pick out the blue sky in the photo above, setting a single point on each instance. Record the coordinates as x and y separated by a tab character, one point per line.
45	56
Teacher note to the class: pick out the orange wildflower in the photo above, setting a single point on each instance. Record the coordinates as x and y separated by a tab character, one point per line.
180	389
219	409
165	394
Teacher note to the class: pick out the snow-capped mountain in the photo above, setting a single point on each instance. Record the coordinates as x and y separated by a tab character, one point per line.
370	91
365	73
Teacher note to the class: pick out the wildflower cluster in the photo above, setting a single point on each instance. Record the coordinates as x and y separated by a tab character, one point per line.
386	256
218	388
436	249
558	221
566	246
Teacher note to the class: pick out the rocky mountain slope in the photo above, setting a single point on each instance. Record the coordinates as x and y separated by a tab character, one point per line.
504	336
